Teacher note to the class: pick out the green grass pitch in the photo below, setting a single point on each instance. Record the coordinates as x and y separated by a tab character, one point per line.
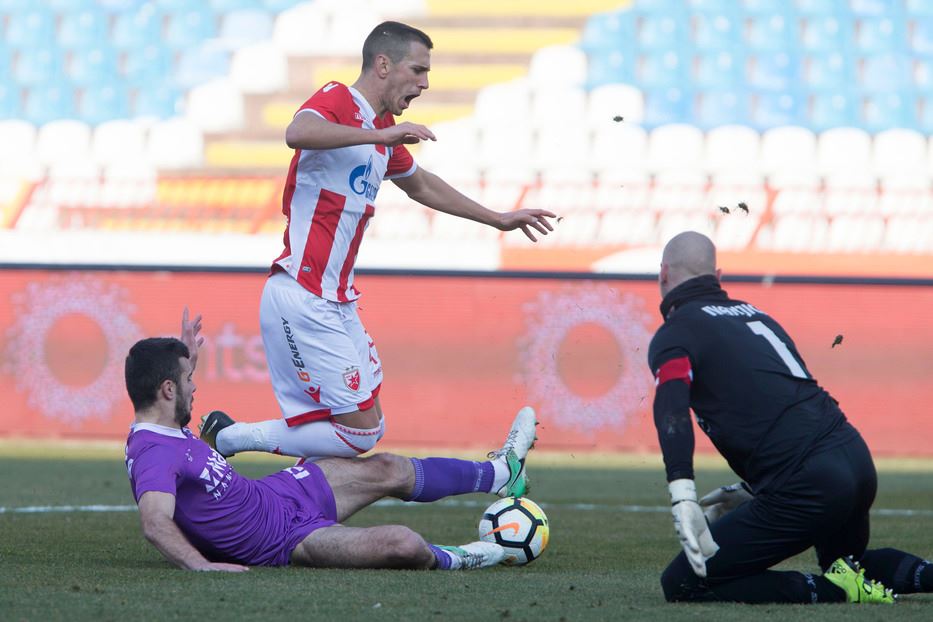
603	561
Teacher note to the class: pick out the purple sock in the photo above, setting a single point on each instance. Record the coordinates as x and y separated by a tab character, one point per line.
436	478
441	558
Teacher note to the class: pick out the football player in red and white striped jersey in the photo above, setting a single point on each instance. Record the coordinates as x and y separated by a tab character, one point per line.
324	366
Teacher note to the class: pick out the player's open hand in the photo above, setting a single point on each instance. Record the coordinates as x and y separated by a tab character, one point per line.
528	220
724	499
189	336
405	133
691	526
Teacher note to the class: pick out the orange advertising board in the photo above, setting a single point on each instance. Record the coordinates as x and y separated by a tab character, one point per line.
461	354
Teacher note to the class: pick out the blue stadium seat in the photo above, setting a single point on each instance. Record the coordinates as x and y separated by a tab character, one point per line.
768	7
610	67
885	72
66	6
174	5
925	115
884	111
190	27
727	8
93	65
721	107
829	71
15	6
829	110
874	8
225	6
921	39
670	105
659	7
277	6
662	69
11	105
137	28
821	8
716	32
825	33
768	33
149	64
877	35
49	103
83	28
919	8
661	32
719	69
104	102
608	31
773	71
923	75
31	28
158	100
242	27
769	109
199	65
38	65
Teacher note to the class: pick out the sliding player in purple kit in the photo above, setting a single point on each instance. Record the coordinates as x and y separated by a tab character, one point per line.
203	515
325	368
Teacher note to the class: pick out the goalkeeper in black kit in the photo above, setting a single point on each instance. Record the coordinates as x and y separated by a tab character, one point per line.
808	477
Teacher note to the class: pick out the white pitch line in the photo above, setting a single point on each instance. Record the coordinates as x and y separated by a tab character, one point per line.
454	503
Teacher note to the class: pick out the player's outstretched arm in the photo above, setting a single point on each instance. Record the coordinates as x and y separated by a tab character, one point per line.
432	191
189	336
309	131
156	510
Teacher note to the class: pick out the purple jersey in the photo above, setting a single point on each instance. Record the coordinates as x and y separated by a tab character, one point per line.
228	517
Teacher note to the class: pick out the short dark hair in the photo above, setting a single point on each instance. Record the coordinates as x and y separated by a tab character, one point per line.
150	363
393	39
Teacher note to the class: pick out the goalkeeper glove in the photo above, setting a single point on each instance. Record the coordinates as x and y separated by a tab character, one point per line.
691	526
723	500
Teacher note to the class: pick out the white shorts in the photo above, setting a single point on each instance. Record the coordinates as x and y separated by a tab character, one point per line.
322	362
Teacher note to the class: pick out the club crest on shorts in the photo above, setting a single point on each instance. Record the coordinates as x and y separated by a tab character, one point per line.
351	378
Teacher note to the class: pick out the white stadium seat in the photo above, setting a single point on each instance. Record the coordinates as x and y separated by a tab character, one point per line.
899	152
562	66
850	193
216	106
843	149
63	141
788	148
117	141
259	68
621	148
301	30
675	146
504	104
176	143
556	106
609	101
731	148
18	150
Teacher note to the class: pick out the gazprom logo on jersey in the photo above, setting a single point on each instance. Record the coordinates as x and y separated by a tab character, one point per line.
359	180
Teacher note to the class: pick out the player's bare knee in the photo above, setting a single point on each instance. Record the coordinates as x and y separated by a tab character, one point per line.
405	548
395	471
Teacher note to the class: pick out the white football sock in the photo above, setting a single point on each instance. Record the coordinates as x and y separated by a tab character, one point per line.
318	439
501	467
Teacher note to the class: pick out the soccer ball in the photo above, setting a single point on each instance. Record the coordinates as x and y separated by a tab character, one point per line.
519	525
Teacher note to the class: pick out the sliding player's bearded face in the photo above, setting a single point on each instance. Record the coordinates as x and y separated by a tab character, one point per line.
184	399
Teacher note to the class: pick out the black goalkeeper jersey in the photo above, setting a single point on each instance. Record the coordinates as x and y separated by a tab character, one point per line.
746	382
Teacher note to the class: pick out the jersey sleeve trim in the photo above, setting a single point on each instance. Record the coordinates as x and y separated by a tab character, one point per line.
408	173
674	369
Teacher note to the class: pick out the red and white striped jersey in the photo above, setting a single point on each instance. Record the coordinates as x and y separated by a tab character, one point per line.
329	195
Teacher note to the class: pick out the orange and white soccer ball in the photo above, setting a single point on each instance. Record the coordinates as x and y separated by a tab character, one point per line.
519	525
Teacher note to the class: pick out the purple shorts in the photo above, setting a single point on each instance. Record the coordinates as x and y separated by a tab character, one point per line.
305	490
